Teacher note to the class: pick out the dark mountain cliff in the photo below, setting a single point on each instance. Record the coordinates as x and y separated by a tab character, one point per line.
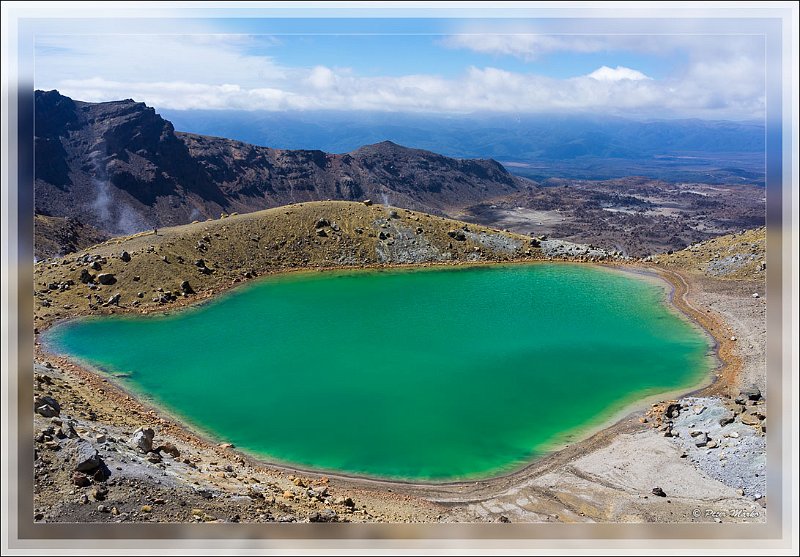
120	167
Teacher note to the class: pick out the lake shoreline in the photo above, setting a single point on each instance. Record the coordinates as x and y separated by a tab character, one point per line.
677	290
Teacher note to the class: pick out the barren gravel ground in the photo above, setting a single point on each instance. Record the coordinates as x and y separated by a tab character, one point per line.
636	470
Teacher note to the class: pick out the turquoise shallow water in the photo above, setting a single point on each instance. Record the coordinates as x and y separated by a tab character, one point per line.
424	375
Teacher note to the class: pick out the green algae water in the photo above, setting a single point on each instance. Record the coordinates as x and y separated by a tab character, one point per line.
417	375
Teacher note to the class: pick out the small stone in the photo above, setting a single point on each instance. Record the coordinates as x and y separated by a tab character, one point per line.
226	445
740	492
711	444
733	338
80	479
755	294
115	511
701	440
725	421
99	493
147	509
659	492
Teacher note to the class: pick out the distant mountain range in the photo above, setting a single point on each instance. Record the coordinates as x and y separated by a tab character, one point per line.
120	167
538	146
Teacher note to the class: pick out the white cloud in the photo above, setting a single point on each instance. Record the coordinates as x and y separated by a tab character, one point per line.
478	89
202	58
716	79
526	45
619	73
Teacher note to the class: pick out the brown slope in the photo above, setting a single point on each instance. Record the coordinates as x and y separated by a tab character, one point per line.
740	256
56	236
240	247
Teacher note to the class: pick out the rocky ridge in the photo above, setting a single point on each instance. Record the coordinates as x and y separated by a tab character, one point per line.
121	168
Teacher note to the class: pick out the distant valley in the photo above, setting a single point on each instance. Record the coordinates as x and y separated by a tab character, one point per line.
579	146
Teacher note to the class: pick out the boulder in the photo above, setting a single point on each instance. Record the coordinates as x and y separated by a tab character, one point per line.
457	234
367	202
750	419
96	265
125	256
106	278
142	438
658	492
393	214
85	457
186	287
168	448
673	410
325	515
46	406
86	277
322	223
114	300
751	393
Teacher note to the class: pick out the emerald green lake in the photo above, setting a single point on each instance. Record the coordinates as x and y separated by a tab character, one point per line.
437	375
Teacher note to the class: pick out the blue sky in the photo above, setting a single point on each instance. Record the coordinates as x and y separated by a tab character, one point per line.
409	65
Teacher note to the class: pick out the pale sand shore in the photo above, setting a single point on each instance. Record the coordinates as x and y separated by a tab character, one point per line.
607	476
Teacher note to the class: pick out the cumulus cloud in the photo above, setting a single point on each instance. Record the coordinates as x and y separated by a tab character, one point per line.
478	89
222	72
604	73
